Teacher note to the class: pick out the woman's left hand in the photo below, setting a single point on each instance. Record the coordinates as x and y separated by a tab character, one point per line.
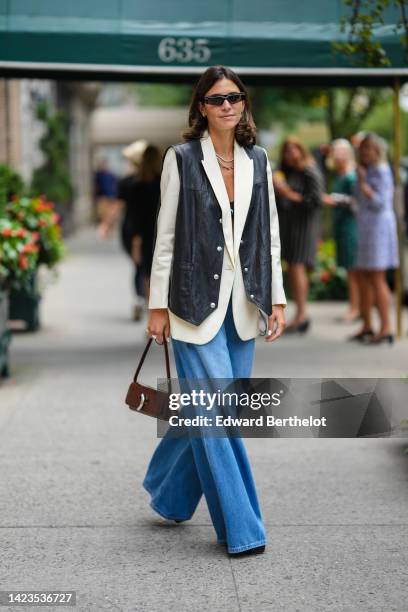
364	186
328	199
361	173
276	323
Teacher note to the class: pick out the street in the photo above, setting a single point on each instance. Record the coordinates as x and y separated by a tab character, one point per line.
73	513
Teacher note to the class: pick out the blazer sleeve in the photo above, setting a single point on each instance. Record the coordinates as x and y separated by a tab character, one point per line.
165	228
278	292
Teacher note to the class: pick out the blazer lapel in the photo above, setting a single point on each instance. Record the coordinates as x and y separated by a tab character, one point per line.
213	171
243	184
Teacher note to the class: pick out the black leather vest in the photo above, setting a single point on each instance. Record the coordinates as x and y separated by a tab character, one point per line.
199	240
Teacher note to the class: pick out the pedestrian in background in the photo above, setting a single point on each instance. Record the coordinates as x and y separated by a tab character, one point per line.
146	199
105	190
342	160
138	196
299	188
131	241
377	249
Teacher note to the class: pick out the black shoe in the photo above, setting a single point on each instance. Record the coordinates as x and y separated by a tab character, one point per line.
362	336
301	327
249	551
385	338
178	520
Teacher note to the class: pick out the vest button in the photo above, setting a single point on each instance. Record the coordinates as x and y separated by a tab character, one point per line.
241	241
252	296
220	219
212	305
216	276
219	248
245	269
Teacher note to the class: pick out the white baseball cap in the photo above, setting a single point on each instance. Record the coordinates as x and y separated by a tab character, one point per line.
135	150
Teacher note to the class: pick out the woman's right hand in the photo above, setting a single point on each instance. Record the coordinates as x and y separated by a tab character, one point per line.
158	324
279	183
328	199
287	192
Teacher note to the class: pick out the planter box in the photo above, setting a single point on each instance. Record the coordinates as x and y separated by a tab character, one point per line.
5	335
24	305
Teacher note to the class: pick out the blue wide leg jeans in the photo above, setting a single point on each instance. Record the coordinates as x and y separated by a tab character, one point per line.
183	468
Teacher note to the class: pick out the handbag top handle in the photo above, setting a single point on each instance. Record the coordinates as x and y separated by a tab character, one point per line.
166	355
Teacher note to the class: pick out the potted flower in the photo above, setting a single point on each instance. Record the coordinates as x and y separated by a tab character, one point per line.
327	281
37	216
18	258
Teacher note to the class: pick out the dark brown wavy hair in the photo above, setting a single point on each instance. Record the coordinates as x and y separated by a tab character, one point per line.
245	130
150	165
307	158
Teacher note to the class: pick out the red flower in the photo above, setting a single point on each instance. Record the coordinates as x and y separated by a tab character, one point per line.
325	276
7	231
23	262
30	248
35	236
20	233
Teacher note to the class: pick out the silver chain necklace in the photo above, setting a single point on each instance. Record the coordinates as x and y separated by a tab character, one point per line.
226	167
225	160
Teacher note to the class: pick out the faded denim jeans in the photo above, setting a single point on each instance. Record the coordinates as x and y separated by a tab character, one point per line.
183	468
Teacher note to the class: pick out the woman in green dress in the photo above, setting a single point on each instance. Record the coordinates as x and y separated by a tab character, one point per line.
344	220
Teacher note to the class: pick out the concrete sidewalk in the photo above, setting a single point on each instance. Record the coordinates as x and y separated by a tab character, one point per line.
73	513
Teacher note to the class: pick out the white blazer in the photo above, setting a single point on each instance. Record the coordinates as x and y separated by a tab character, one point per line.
246	314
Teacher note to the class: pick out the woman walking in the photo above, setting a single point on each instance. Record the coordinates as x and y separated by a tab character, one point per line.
138	196
216	273
131	206
146	197
341	199
299	187
377	249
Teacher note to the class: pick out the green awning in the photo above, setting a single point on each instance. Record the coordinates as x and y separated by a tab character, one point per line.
268	39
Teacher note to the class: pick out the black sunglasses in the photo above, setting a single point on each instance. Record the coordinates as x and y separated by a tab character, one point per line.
218	99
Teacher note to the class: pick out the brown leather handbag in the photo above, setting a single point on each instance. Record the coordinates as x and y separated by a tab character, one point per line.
147	400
